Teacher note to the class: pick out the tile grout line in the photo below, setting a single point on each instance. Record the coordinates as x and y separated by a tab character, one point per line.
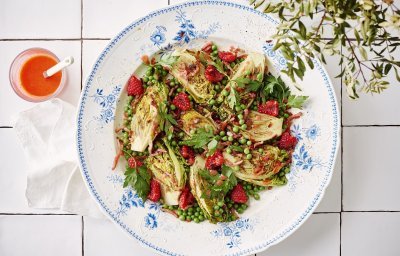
54	39
341	158
5	127
82	219
372	125
37	214
83	236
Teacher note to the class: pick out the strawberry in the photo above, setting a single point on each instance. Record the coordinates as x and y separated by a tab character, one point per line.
133	163
155	191
135	86
287	141
187	152
182	101
212	74
270	107
227	56
238	195
214	161
186	198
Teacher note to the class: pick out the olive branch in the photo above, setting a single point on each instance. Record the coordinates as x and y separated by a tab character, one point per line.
363	38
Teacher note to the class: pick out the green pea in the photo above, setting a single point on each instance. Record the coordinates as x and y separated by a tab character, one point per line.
242	106
235	129
145	79
249	187
240	210
149	73
216	207
214	47
179	212
247	72
220	100
260	150
244	206
248	143
217	137
241	121
286	115
225	138
217	87
249	156
172	107
196	220
129	112
238	108
246	151
151	78
236	206
220	203
196	214
172	83
230	138
173	143
215	52
236	143
259	77
154	81
217	214
236	168
225	93
240	116
188	218
181	134
244	126
201	217
179	90
228	150
224	81
232	64
287	170
182	217
164	72
242	141
256	196
190	209
222	133
180	143
211	102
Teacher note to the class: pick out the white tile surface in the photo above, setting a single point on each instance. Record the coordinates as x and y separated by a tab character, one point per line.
320	235
371	234
378	109
332	200
13	177
40	235
90	52
105	18
9	50
370	169
40	19
103	238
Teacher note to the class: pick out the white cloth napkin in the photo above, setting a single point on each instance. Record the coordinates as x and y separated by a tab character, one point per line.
47	135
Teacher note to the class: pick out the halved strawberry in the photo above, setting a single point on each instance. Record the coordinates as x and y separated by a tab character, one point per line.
133	162
270	107
238	195
186	198
135	86
212	74
287	141
214	161
155	191
182	101
227	56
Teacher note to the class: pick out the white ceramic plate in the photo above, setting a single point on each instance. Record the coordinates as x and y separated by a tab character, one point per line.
267	221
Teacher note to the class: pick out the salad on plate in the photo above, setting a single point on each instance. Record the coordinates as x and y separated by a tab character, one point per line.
205	130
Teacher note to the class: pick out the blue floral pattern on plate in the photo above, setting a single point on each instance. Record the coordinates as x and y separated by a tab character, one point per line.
231	231
107	104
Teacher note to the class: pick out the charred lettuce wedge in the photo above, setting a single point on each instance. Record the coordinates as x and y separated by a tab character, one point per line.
169	169
262	168
263	127
145	124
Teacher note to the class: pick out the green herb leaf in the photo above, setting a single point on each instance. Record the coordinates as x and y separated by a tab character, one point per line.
220	189
200	138
296	101
212	146
139	179
233	97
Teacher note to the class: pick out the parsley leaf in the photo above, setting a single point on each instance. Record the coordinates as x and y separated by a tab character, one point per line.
276	88
219	189
167	120
233	97
139	179
217	63
251	85
168	59
212	146
200	138
296	101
